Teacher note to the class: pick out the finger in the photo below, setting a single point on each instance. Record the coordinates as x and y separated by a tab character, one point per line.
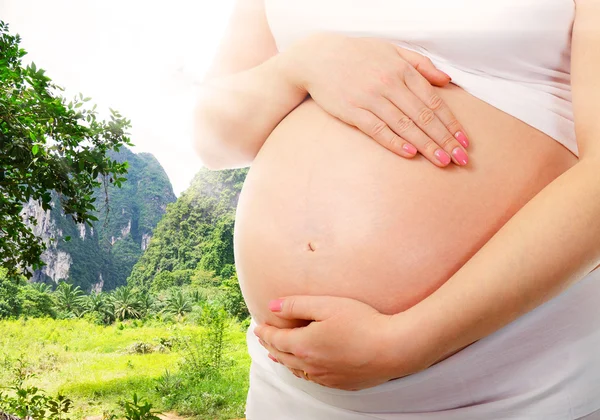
427	94
310	308
406	129
287	359
297	373
280	338
447	145
367	122
424	66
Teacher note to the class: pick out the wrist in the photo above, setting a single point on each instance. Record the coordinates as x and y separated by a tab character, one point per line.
412	346
289	66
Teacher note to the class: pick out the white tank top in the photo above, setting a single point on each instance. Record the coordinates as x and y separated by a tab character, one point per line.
513	54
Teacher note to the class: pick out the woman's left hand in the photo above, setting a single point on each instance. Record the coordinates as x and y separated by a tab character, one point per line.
348	345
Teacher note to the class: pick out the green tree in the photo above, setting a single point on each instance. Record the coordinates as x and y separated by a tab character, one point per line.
196	232
177	303
37	301
10	301
69	299
100	307
127	303
47	144
233	300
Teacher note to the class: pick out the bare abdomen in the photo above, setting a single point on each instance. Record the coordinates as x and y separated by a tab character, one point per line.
327	211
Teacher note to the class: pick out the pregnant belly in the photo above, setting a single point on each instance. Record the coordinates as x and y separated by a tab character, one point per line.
325	210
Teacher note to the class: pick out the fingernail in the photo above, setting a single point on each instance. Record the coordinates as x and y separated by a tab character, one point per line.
262	343
460	155
462	138
442	157
273	359
409	148
447	75
276	305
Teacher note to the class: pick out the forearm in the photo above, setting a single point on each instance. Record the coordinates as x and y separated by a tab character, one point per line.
549	244
236	113
552	242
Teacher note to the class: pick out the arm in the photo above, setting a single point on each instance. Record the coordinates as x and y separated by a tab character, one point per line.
549	244
251	88
244	94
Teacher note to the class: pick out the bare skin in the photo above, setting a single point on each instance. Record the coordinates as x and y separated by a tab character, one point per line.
327	211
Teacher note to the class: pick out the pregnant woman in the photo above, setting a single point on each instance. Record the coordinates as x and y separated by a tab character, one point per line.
453	283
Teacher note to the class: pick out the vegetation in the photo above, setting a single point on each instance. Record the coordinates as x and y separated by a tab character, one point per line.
171	337
98	368
105	252
195	236
47	144
91	352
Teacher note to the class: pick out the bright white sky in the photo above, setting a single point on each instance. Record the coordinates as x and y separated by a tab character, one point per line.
139	57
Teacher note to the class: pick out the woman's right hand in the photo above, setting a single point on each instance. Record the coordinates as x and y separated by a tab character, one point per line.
383	90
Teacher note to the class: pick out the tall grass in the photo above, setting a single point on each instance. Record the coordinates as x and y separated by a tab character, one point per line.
97	366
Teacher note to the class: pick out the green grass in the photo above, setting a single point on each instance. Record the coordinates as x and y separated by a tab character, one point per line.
90	364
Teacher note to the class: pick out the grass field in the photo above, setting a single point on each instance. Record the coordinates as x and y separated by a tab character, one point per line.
94	366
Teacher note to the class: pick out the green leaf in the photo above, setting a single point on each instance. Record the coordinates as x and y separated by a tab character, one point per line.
35	149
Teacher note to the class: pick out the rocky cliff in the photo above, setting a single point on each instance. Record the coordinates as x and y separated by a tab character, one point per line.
100	257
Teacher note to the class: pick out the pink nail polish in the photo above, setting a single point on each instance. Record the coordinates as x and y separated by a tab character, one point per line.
409	148
273	359
460	155
276	305
442	156
462	138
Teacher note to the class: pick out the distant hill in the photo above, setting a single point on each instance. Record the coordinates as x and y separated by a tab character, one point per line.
101	257
196	233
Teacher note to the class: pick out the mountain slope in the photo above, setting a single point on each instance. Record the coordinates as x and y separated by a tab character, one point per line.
196	231
101	257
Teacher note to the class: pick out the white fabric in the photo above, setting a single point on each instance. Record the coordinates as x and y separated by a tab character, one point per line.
512	54
543	366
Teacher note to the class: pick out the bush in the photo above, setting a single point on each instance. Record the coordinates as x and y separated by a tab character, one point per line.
140	348
134	410
233	300
36	303
10	301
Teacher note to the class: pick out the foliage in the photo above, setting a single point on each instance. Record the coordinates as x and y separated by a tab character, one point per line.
36	301
177	303
10	303
99	307
205	357
29	402
105	253
89	364
47	144
195	234
233	300
69	300
127	303
32	403
134	410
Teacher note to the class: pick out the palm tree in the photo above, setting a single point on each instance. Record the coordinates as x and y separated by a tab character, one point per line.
146	302
69	299
178	303
127	304
41	287
100	304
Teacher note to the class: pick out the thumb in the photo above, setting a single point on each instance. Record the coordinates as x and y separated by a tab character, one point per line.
309	308
425	66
